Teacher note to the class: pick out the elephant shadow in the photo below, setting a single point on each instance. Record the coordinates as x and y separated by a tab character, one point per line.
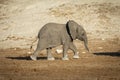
113	54
25	58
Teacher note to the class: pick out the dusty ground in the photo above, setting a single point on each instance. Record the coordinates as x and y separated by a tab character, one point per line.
102	63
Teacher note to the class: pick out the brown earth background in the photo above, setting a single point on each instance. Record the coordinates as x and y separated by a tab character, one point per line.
20	21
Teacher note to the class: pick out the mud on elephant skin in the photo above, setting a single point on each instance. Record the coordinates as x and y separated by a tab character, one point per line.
54	34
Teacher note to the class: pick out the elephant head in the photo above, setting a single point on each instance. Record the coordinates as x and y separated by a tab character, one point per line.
76	31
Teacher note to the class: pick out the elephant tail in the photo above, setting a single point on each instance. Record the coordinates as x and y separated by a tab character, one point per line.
33	42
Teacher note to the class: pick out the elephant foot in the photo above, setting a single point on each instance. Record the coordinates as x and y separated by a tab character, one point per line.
51	58
64	58
76	57
34	58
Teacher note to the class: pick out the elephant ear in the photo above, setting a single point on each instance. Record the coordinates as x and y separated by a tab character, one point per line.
72	29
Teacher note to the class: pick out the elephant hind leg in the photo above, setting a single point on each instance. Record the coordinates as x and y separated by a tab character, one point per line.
34	55
49	54
38	49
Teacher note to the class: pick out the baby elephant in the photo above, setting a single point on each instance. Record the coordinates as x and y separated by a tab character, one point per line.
53	34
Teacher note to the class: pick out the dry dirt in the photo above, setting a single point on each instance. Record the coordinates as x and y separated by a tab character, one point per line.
101	63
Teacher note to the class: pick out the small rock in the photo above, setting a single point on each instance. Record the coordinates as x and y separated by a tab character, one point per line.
100	47
83	52
29	52
15	49
59	51
103	39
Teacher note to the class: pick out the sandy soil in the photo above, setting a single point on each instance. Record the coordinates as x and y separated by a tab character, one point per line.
102	63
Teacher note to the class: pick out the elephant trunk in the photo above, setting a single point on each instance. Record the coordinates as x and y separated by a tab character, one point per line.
86	44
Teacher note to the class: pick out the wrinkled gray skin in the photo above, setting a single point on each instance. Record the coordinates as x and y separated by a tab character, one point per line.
53	34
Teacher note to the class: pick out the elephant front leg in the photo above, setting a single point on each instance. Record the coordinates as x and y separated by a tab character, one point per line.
74	49
49	54
65	49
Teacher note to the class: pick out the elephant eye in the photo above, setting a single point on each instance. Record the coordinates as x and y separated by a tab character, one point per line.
77	30
82	34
